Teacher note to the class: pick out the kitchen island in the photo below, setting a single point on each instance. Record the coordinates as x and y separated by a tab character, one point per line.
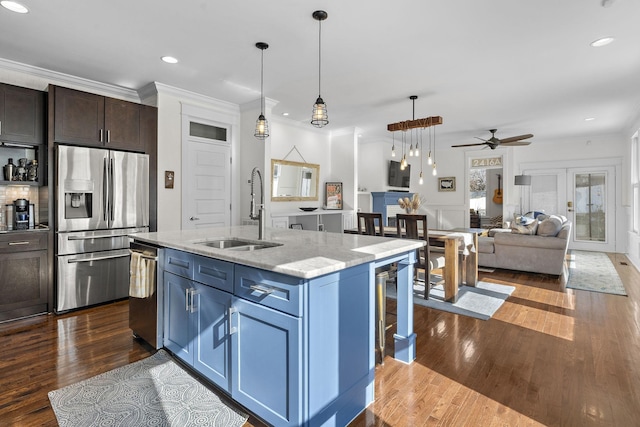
284	325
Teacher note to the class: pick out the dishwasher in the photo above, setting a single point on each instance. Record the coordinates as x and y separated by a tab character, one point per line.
146	295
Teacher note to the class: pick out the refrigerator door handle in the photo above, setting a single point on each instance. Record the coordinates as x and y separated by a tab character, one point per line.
104	190
111	183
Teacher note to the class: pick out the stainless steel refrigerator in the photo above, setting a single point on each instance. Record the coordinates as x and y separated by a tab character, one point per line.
101	197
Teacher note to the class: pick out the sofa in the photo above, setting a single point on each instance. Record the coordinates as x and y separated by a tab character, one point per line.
535	245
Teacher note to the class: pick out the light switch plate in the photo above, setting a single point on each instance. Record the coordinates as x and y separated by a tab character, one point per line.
168	179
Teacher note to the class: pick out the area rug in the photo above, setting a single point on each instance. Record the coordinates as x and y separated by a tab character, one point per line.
154	391
593	271
481	301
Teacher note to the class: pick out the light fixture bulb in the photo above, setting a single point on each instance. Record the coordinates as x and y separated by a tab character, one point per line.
416	152
411	150
319	116
262	128
435	171
421	181
393	151
429	160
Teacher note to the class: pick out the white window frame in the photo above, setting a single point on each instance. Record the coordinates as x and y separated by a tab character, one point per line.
635	181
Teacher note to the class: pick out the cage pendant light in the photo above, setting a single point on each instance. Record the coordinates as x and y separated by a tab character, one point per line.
262	125
319	117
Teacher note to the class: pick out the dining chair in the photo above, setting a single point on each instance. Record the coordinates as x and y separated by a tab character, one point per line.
412	226
367	225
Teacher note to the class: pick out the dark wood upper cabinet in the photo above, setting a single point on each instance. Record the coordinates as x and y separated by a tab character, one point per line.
21	115
93	120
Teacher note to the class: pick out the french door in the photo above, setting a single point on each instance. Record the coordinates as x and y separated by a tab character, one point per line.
586	196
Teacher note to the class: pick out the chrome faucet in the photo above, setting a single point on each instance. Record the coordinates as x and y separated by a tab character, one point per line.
261	217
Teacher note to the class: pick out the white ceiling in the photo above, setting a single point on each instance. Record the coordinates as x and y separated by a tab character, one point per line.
519	66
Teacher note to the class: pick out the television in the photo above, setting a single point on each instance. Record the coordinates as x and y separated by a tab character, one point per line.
397	176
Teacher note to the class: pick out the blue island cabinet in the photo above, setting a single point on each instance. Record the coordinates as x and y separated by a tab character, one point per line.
301	350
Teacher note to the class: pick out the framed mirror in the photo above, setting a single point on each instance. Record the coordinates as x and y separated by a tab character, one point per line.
294	181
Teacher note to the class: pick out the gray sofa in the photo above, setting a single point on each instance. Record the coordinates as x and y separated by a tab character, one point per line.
541	252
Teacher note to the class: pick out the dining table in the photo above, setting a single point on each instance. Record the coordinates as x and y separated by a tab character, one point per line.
457	243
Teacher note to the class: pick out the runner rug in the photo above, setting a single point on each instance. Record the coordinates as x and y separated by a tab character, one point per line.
154	391
593	271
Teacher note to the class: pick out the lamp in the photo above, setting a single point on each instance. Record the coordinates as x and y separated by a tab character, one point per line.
522	180
262	125
319	116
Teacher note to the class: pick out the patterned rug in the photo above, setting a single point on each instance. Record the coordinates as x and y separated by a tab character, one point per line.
151	392
593	271
481	301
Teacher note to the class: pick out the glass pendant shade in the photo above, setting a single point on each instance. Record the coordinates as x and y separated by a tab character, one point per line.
262	127
421	180
319	116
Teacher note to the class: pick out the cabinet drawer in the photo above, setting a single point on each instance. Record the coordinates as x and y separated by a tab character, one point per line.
212	272
21	242
284	293
178	262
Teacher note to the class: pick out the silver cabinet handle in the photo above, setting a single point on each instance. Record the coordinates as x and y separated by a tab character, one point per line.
18	243
108	136
232	329
186	298
194	218
101	133
261	289
95	237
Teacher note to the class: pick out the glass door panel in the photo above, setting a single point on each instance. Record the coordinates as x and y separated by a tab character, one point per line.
590	207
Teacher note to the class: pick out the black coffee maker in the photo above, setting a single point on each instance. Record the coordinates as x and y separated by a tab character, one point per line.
21	214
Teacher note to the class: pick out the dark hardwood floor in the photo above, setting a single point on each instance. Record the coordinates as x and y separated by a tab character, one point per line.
550	356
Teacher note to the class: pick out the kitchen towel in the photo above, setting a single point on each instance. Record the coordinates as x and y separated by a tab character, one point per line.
138	283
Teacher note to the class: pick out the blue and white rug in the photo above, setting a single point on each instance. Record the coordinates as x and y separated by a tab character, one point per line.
151	392
593	271
481	301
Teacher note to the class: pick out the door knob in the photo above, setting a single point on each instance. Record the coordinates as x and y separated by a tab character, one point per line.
193	218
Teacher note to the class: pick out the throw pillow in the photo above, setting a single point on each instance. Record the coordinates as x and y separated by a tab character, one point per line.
549	227
525	229
522	220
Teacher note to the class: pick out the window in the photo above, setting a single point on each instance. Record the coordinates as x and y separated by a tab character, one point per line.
207	131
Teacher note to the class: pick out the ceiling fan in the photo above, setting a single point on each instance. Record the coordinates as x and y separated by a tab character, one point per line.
493	142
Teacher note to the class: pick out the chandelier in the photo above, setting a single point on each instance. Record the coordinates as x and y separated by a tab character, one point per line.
419	125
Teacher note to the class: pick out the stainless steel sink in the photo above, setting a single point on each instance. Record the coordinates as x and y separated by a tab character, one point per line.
237	244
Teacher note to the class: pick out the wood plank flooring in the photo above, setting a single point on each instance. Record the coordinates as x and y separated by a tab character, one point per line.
550	356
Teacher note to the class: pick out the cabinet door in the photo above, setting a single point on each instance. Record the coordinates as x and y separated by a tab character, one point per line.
177	324
266	351
212	346
122	125
21	115
23	284
79	117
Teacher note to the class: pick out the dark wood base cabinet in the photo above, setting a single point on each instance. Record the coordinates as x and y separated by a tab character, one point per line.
23	274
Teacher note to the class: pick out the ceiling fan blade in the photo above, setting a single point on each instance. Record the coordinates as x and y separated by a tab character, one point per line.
469	145
481	139
514	143
516	138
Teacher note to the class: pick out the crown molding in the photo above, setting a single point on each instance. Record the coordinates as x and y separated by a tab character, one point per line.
186	95
62	79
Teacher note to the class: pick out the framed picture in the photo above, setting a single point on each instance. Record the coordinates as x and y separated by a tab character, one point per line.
447	183
333	195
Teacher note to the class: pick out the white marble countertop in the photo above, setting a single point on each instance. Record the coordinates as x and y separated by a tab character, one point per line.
302	253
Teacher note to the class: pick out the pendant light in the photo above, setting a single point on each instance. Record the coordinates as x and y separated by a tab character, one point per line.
319	116
393	147
435	170
262	125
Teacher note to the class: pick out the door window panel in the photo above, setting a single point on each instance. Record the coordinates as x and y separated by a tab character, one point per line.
590	206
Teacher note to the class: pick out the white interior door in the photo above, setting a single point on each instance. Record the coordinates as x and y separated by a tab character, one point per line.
207	185
586	196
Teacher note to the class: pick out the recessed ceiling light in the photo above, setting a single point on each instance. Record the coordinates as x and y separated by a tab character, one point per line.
602	42
285	114
589	119
14	6
169	59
